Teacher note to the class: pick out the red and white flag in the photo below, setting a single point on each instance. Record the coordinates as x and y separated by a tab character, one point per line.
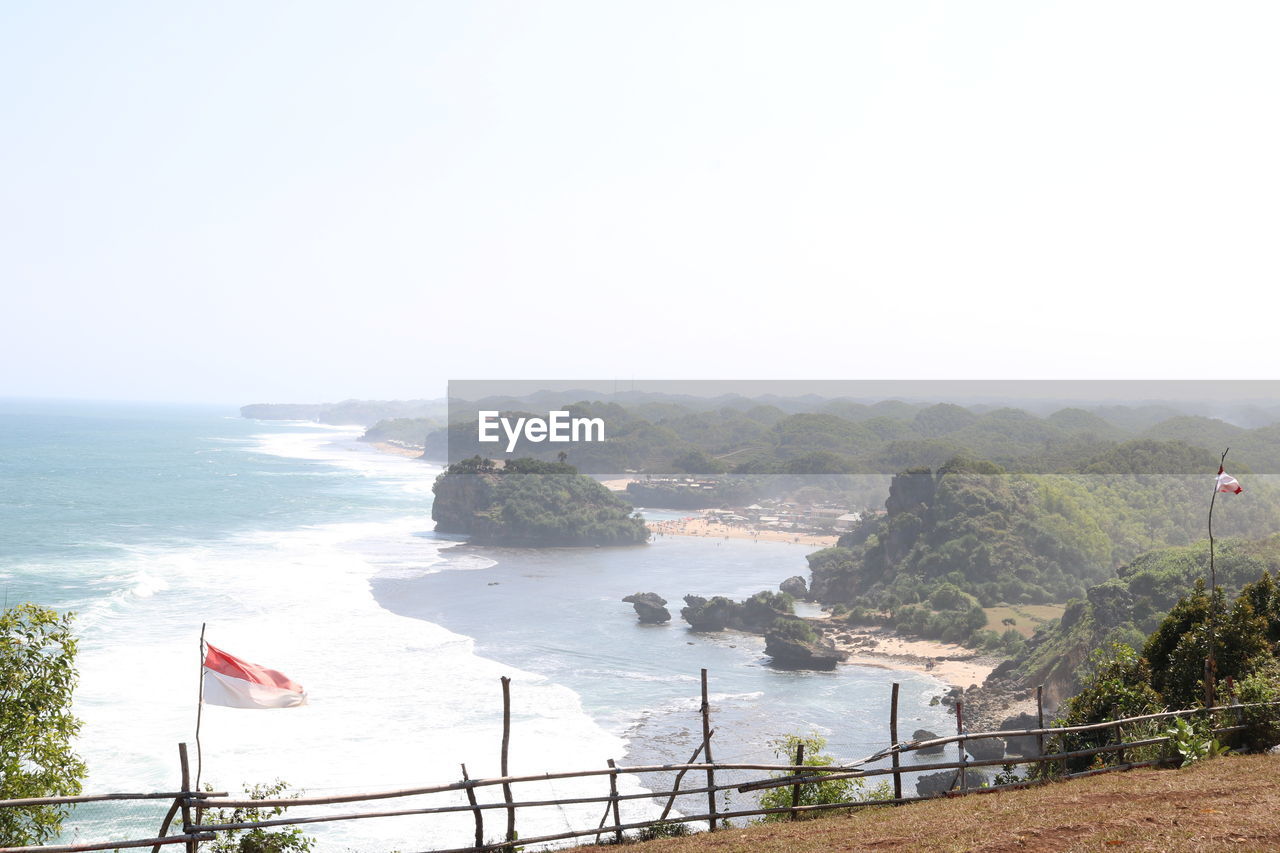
1227	483
236	683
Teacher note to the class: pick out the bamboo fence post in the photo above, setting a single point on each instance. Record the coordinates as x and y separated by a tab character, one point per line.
964	771
675	788
1040	719
186	796
613	801
471	798
893	738
706	751
506	743
795	789
1115	714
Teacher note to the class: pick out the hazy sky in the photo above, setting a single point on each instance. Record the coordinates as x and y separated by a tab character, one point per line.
242	201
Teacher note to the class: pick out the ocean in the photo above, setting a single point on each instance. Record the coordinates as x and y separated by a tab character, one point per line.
306	550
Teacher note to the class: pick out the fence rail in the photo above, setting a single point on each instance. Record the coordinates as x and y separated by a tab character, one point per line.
195	806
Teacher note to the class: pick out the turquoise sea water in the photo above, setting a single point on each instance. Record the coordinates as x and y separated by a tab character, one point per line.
308	552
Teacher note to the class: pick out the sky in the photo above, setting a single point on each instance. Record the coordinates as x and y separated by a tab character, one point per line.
241	202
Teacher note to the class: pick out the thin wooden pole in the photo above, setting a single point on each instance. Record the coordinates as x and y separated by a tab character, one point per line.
1040	719
893	739
1211	661
964	772
675	788
795	789
186	803
613	801
471	798
200	711
506	743
706	751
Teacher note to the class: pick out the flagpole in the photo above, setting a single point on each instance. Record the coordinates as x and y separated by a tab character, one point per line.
1211	663
200	710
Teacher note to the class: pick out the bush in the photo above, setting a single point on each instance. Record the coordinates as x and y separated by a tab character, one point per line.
814	793
1262	685
285	839
1120	687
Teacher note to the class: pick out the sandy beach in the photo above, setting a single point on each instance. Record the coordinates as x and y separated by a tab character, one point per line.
700	526
869	646
397	449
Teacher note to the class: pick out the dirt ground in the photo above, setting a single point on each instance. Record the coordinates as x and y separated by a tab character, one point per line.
1224	804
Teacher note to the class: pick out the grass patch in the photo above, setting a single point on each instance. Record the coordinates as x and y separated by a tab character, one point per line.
1228	803
1026	617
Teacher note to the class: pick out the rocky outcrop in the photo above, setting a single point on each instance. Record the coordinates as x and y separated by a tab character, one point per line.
755	614
794	653
925	734
649	607
937	784
795	587
911	490
985	748
1027	746
713	614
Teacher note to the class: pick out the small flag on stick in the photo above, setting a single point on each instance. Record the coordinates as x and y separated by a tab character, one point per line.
235	683
1227	483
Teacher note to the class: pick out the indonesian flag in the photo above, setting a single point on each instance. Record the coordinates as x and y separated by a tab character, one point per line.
1227	483
236	683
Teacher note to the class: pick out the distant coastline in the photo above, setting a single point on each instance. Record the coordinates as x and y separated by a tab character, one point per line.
397	449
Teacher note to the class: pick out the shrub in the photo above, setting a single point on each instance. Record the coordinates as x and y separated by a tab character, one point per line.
285	839
814	793
1262	685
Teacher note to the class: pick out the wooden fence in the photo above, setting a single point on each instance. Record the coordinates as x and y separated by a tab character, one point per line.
1052	764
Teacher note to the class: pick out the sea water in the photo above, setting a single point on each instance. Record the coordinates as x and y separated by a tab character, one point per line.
305	550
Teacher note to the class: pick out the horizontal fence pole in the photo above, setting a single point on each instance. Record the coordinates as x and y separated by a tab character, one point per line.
795	775
102	798
815	775
780	782
109	845
525	804
911	746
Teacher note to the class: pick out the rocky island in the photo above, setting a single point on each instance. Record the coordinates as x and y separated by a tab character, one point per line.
528	503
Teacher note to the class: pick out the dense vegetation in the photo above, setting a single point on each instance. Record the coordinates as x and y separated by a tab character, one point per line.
1169	670
529	503
37	727
1126	609
411	432
972	535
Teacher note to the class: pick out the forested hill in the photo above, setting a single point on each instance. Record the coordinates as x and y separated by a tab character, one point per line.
1128	607
752	437
1027	537
529	503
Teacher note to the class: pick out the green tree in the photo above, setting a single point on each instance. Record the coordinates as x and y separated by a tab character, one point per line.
814	793
37	678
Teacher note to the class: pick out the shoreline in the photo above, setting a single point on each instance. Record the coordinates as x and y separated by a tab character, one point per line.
703	527
955	665
396	449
